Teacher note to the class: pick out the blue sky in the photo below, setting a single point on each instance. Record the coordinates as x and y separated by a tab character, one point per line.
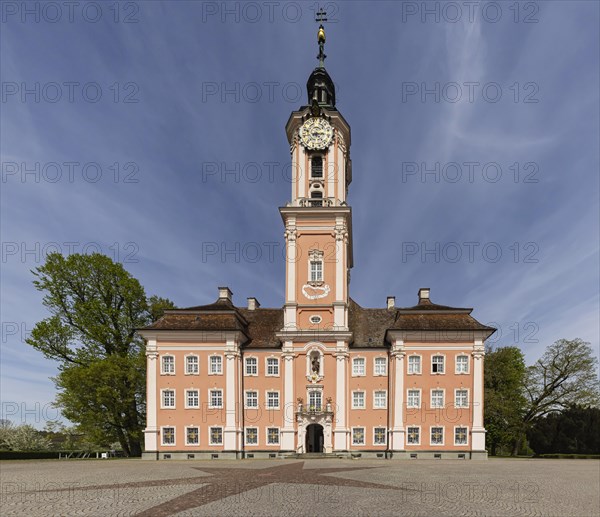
155	133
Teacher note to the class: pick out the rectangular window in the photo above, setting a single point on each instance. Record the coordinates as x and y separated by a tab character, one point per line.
192	398
437	436
413	435
460	436
358	400
191	365
414	398
168	398
380	366
216	365
462	364
272	436
461	398
380	400
273	366
251	436
437	364
252	399
168	364
272	400
251	366
358	366
379	435
216	398
316	271
358	436
414	364
316	167
314	400
437	398
168	436
216	435
192	436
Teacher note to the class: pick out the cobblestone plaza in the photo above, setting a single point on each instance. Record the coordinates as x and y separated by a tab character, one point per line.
497	487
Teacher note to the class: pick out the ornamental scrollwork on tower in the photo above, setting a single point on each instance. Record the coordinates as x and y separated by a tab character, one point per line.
291	234
341	233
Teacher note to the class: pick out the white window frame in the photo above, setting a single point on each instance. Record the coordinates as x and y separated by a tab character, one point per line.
375	406
456	371
375	372
246	361
162	435
364	368
278	436
467	434
267	400
187	405
443	356
385	437
320	271
187	364
364	399
210	442
420	358
317	393
186	434
456	405
246	406
431	428
162	364
162	399
210	370
442	404
246	429
408	404
210	401
418	427
364	438
272	358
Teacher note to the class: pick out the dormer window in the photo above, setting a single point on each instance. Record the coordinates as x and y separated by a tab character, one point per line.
316	167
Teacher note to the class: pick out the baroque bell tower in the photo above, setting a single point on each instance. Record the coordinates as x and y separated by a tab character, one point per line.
318	220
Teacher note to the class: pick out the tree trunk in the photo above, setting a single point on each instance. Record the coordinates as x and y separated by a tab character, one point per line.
515	447
493	447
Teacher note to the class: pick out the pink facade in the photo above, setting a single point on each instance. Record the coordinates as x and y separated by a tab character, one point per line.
320	374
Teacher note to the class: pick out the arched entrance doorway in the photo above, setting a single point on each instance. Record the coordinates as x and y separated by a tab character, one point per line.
314	438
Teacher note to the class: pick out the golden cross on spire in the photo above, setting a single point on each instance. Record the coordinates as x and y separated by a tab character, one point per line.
321	16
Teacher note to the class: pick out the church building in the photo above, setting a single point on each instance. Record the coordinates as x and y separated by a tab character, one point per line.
320	375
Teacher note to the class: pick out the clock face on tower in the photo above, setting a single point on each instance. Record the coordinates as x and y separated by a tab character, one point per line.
316	133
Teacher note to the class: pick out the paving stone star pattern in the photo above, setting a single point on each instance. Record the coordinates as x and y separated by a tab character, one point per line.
496	487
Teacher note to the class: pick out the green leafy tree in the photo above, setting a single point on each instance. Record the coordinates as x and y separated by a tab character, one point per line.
575	430
564	376
22	438
505	403
95	307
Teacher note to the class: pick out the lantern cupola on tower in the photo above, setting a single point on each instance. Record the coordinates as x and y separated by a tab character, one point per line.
320	87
